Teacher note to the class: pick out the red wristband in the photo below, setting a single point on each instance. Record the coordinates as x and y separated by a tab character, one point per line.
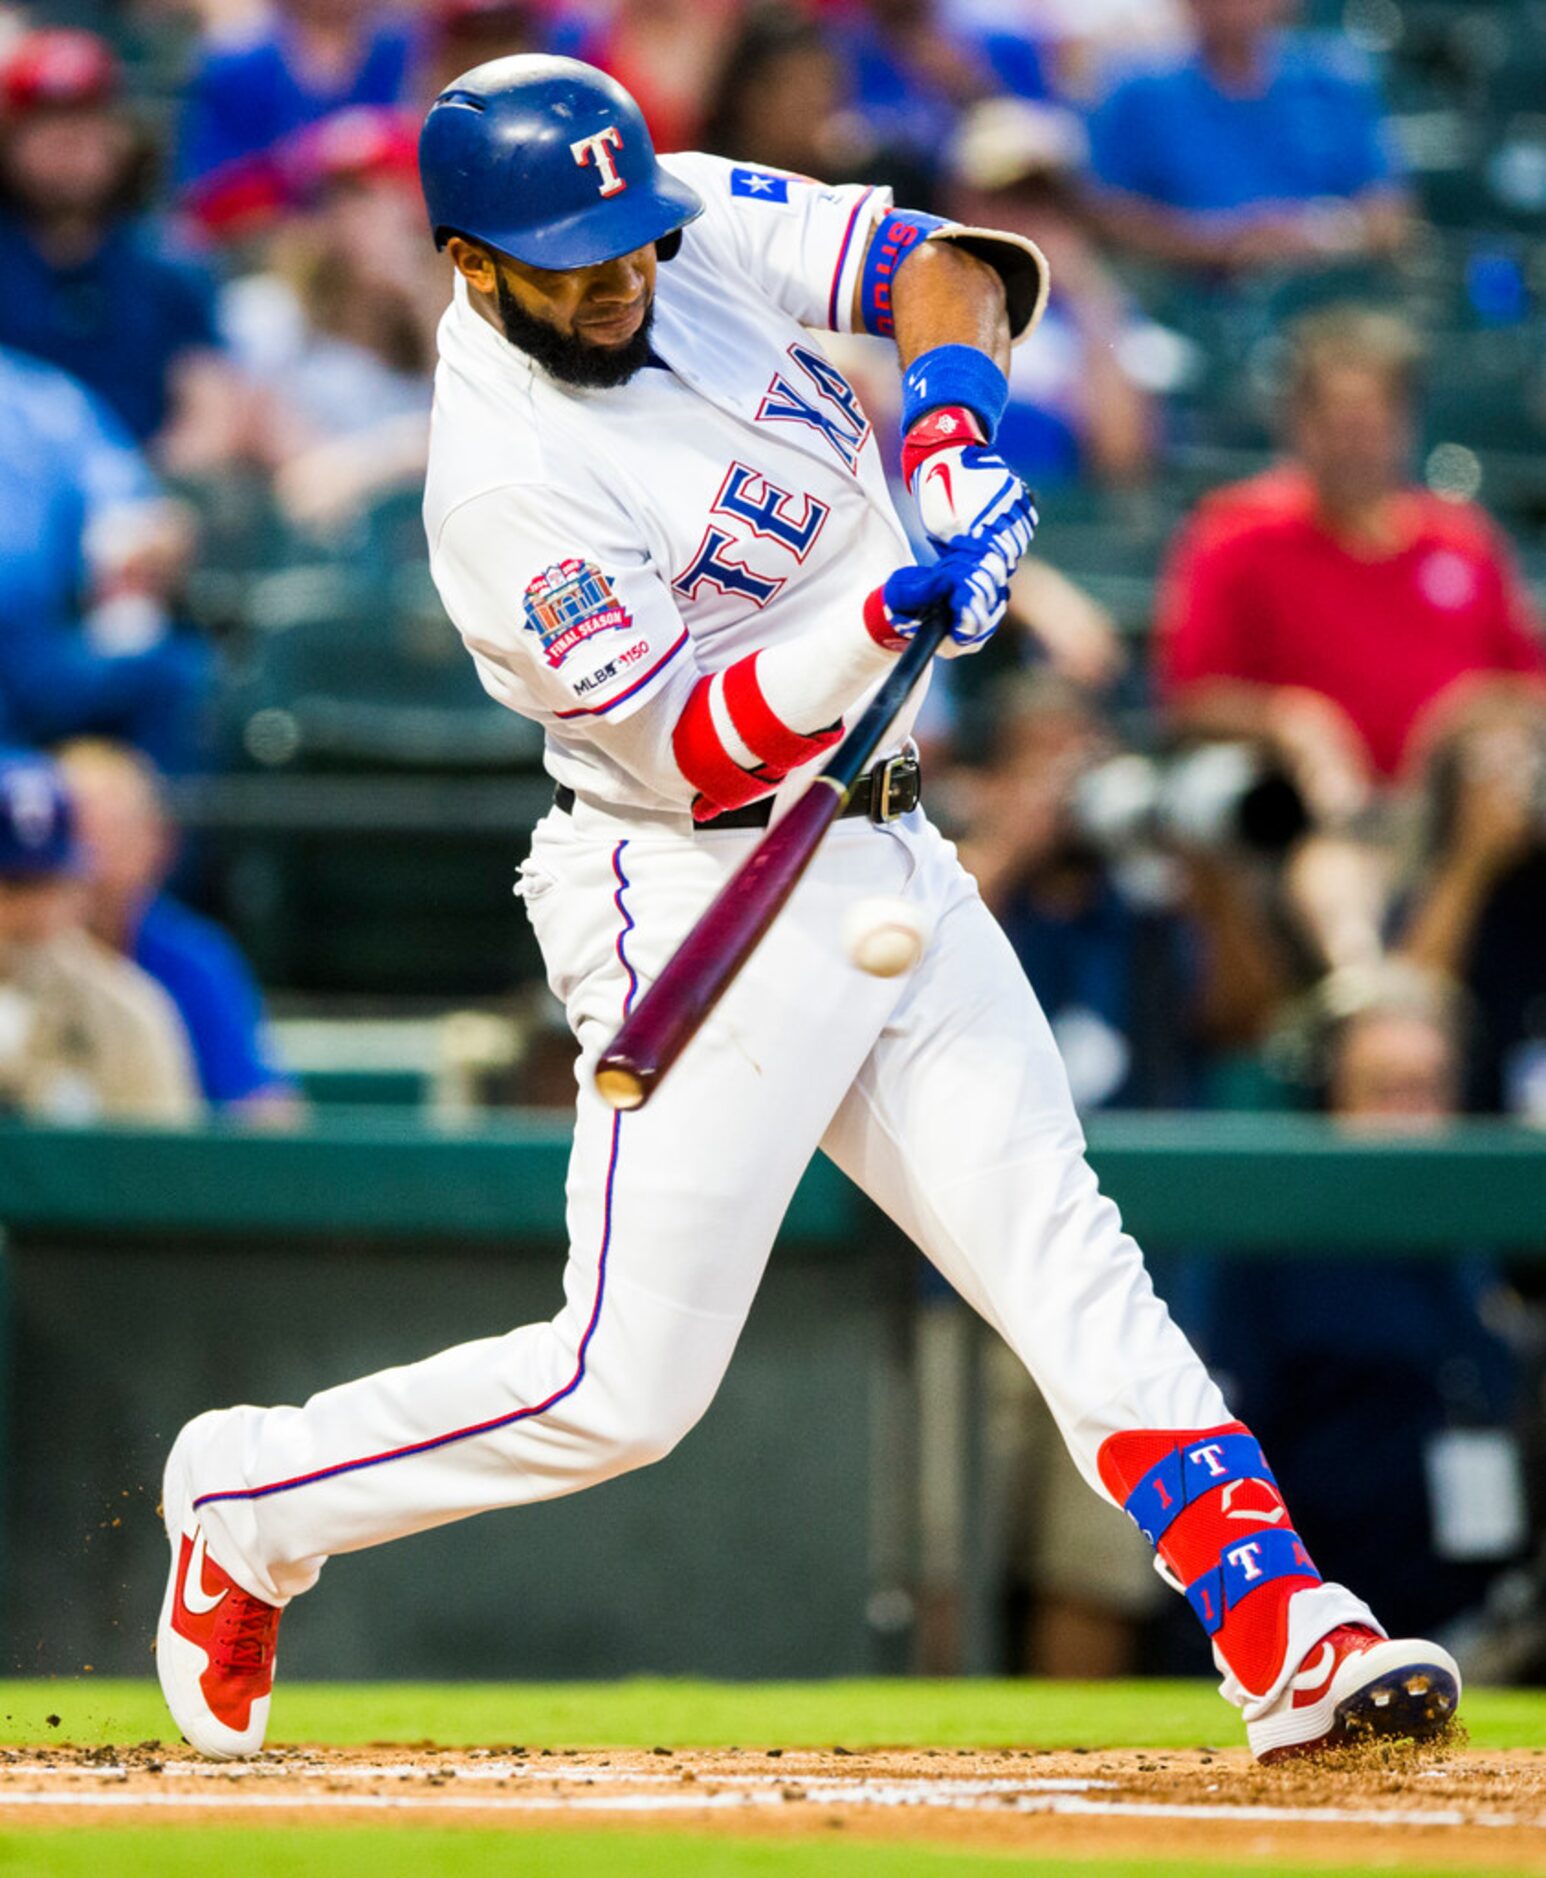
946	428
705	762
877	623
764	733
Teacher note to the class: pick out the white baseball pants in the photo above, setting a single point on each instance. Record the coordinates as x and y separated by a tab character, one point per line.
940	1093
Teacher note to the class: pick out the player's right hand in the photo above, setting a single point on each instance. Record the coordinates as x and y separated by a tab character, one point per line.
967	495
972	581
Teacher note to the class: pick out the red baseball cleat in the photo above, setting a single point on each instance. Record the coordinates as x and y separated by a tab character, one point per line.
1355	1686
215	1643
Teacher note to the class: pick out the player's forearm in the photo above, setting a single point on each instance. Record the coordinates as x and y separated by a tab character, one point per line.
955	314
745	728
814	680
945	296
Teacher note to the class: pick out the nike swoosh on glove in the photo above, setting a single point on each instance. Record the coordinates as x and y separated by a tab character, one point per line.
972	582
964	490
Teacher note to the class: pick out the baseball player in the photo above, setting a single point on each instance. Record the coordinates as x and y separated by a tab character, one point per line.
658	517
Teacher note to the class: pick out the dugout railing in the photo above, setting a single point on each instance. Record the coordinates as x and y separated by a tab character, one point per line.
1255	1182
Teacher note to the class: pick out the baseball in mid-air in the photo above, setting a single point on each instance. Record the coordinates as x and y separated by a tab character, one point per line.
884	935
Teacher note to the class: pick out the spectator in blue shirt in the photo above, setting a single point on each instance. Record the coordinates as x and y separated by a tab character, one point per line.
64	461
130	846
90	556
87	287
910	75
307	60
1258	150
1076	411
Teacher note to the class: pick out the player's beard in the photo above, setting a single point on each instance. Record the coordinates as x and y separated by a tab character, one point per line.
565	355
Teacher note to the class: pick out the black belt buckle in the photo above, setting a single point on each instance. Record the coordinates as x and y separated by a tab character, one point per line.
895	786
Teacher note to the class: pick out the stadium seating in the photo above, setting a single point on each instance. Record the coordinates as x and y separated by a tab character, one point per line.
342	667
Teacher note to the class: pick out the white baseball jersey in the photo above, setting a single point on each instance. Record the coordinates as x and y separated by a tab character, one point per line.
600	550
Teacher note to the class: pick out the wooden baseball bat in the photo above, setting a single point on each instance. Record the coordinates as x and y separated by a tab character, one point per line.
705	964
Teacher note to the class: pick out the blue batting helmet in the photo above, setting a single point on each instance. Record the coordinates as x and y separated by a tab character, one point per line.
549	161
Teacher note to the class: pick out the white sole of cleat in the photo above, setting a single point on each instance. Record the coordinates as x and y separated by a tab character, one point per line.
1395	1691
179	1663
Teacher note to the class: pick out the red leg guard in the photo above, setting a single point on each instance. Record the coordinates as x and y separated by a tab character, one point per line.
1254	1633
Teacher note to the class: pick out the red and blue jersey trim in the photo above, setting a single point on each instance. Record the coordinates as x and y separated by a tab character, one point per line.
601	710
834	324
625	927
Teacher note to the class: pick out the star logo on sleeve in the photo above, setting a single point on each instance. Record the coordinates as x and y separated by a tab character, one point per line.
759	185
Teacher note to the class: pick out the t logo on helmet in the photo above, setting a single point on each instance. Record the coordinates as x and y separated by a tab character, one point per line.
588	150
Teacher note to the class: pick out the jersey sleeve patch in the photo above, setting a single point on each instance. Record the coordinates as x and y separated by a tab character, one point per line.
760	185
568	604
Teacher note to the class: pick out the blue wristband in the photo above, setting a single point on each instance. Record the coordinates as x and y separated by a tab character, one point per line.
896	234
954	375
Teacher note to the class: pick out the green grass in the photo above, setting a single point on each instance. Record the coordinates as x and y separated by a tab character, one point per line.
93	1710
649	1713
279	1852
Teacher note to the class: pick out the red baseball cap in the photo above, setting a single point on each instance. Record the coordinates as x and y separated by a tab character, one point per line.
363	141
57	66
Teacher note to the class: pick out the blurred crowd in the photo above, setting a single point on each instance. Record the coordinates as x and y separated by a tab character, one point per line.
1255	777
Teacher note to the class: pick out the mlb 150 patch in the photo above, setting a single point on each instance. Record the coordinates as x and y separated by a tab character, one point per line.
570	603
760	185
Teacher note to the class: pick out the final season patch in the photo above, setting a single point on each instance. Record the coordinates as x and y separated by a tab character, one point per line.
569	604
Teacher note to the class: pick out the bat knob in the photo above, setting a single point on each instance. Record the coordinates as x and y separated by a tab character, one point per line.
621	1085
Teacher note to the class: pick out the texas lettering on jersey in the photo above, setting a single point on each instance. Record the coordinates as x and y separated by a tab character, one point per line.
835	413
751	508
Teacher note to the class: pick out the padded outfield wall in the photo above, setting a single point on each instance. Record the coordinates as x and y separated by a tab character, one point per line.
150	1275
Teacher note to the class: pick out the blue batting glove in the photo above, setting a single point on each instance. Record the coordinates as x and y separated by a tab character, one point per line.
973	582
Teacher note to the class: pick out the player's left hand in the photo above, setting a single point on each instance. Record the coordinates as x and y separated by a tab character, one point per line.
973	582
965	491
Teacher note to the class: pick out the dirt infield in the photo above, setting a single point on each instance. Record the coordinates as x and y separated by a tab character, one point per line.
1373	1808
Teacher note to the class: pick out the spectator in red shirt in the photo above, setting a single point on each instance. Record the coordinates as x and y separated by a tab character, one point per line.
668	53
1330	607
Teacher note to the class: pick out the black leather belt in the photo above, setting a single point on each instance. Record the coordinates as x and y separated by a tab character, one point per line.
889	790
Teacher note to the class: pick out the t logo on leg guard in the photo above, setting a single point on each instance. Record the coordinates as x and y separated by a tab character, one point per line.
1181	1488
1183	1474
1243	1558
